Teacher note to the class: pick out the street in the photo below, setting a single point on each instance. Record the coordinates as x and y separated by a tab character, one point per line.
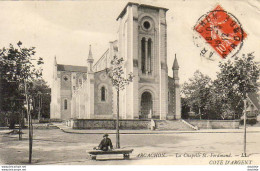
52	146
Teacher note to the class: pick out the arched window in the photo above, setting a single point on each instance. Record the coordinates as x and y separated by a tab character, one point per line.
143	65
65	104
146	55
149	60
103	93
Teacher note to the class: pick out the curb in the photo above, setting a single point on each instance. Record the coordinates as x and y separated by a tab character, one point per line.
156	132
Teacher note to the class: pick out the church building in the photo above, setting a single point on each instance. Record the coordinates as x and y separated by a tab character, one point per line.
86	92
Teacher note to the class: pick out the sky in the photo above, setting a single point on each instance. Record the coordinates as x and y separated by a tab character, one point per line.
65	29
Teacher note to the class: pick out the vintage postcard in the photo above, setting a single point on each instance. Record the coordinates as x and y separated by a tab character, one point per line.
142	82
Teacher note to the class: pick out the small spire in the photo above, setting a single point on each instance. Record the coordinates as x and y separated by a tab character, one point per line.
90	60
175	64
55	60
90	53
55	68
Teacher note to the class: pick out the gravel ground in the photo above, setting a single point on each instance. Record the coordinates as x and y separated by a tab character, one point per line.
52	146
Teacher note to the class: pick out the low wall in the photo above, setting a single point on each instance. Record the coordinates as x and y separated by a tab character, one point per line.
215	124
108	124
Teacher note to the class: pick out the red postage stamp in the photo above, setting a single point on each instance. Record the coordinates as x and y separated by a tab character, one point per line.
222	31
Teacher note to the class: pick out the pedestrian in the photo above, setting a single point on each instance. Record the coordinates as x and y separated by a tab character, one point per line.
152	125
105	144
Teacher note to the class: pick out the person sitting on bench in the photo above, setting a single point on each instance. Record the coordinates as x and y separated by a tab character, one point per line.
105	144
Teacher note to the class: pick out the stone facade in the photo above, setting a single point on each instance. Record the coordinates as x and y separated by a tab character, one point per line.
66	79
103	106
142	42
108	124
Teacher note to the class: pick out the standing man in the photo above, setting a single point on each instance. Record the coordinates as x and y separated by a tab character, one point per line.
152	124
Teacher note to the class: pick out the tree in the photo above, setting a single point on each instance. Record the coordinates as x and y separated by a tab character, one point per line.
226	102
19	69
197	91
185	108
17	65
223	98
237	78
119	81
40	93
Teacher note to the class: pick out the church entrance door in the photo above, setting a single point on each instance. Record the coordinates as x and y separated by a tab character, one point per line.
146	106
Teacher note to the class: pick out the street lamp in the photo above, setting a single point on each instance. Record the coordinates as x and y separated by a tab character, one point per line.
245	101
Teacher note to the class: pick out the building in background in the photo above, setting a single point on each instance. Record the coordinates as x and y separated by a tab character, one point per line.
87	93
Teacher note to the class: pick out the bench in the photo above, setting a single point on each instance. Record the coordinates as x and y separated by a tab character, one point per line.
125	152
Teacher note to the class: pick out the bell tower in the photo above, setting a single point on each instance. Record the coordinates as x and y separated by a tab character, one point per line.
142	43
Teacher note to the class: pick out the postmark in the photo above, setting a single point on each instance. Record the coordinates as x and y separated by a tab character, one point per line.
218	32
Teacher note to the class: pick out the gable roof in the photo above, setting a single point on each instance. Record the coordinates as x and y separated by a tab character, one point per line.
72	68
253	98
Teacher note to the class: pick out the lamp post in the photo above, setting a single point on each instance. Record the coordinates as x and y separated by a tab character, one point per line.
244	154
29	116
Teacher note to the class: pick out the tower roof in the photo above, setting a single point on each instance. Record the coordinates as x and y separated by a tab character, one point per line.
175	64
139	5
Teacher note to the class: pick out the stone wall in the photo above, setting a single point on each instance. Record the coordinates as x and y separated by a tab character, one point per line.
65	94
215	124
108	124
103	107
171	98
